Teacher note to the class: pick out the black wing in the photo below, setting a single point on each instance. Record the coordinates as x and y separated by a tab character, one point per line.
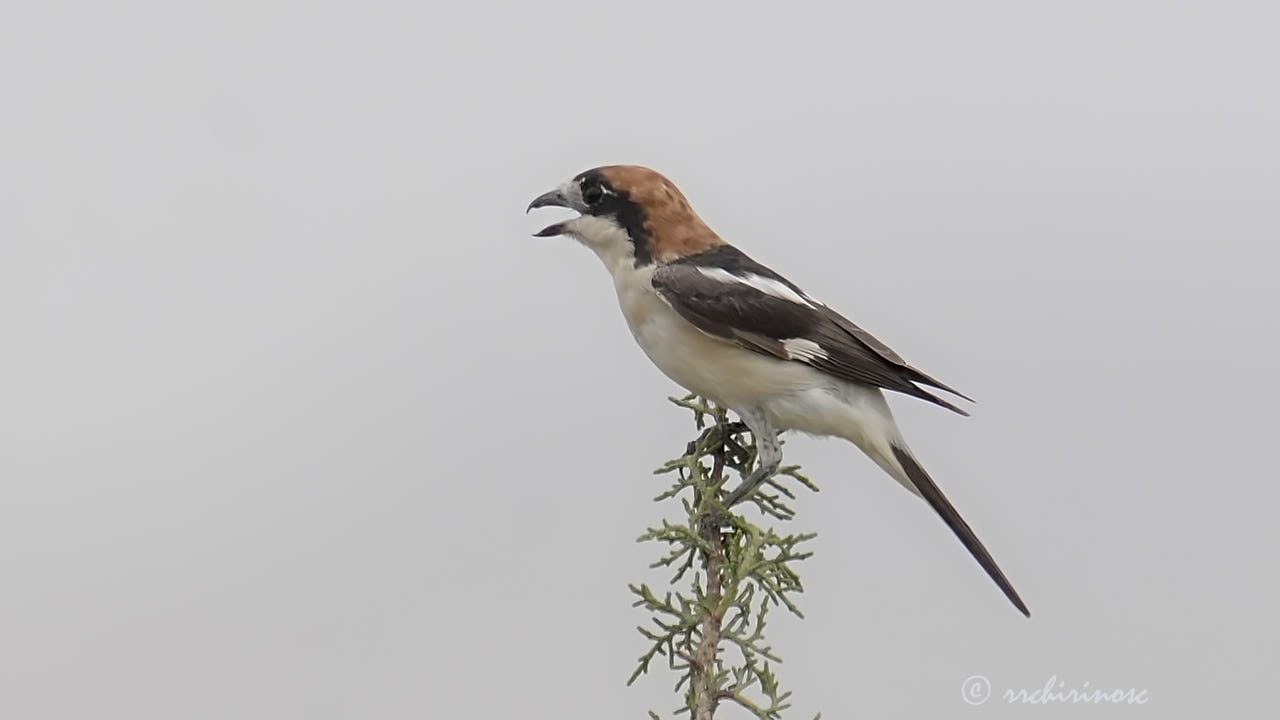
727	294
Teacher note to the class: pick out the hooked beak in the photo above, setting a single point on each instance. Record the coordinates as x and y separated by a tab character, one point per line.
554	198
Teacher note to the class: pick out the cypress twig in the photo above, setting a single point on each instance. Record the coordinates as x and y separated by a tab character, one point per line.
710	627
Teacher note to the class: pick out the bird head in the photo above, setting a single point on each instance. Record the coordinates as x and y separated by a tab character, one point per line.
627	211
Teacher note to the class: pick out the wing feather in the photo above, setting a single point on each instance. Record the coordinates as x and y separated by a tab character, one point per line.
731	305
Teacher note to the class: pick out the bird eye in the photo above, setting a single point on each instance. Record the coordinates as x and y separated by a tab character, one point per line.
592	194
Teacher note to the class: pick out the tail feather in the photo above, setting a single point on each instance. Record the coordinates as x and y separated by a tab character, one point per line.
929	490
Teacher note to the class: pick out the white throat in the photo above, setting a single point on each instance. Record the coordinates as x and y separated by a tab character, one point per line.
608	240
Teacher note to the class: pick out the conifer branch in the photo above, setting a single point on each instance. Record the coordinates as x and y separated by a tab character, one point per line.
710	626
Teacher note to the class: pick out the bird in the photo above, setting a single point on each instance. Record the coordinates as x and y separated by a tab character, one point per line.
734	331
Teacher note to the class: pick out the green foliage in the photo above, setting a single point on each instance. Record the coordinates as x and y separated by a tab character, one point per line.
728	574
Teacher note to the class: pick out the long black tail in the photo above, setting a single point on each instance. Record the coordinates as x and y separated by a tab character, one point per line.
930	491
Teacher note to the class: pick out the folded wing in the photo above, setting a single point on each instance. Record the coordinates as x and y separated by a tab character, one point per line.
726	294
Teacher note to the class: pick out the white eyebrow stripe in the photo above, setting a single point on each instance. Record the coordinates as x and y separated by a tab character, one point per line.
803	349
768	286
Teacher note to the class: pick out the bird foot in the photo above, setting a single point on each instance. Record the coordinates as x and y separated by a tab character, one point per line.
748	486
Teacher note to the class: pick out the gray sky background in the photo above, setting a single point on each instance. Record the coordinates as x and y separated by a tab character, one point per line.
299	422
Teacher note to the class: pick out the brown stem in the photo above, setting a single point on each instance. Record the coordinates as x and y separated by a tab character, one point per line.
706	690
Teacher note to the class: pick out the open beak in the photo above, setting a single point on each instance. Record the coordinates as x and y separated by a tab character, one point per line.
554	198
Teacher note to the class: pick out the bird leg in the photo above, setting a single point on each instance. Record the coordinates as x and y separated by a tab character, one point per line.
768	455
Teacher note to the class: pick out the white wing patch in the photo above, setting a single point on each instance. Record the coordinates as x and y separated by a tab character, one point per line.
768	286
803	349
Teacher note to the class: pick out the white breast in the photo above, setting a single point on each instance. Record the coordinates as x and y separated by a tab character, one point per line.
703	364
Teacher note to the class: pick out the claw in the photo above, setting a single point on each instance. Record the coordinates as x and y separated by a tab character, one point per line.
751	484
